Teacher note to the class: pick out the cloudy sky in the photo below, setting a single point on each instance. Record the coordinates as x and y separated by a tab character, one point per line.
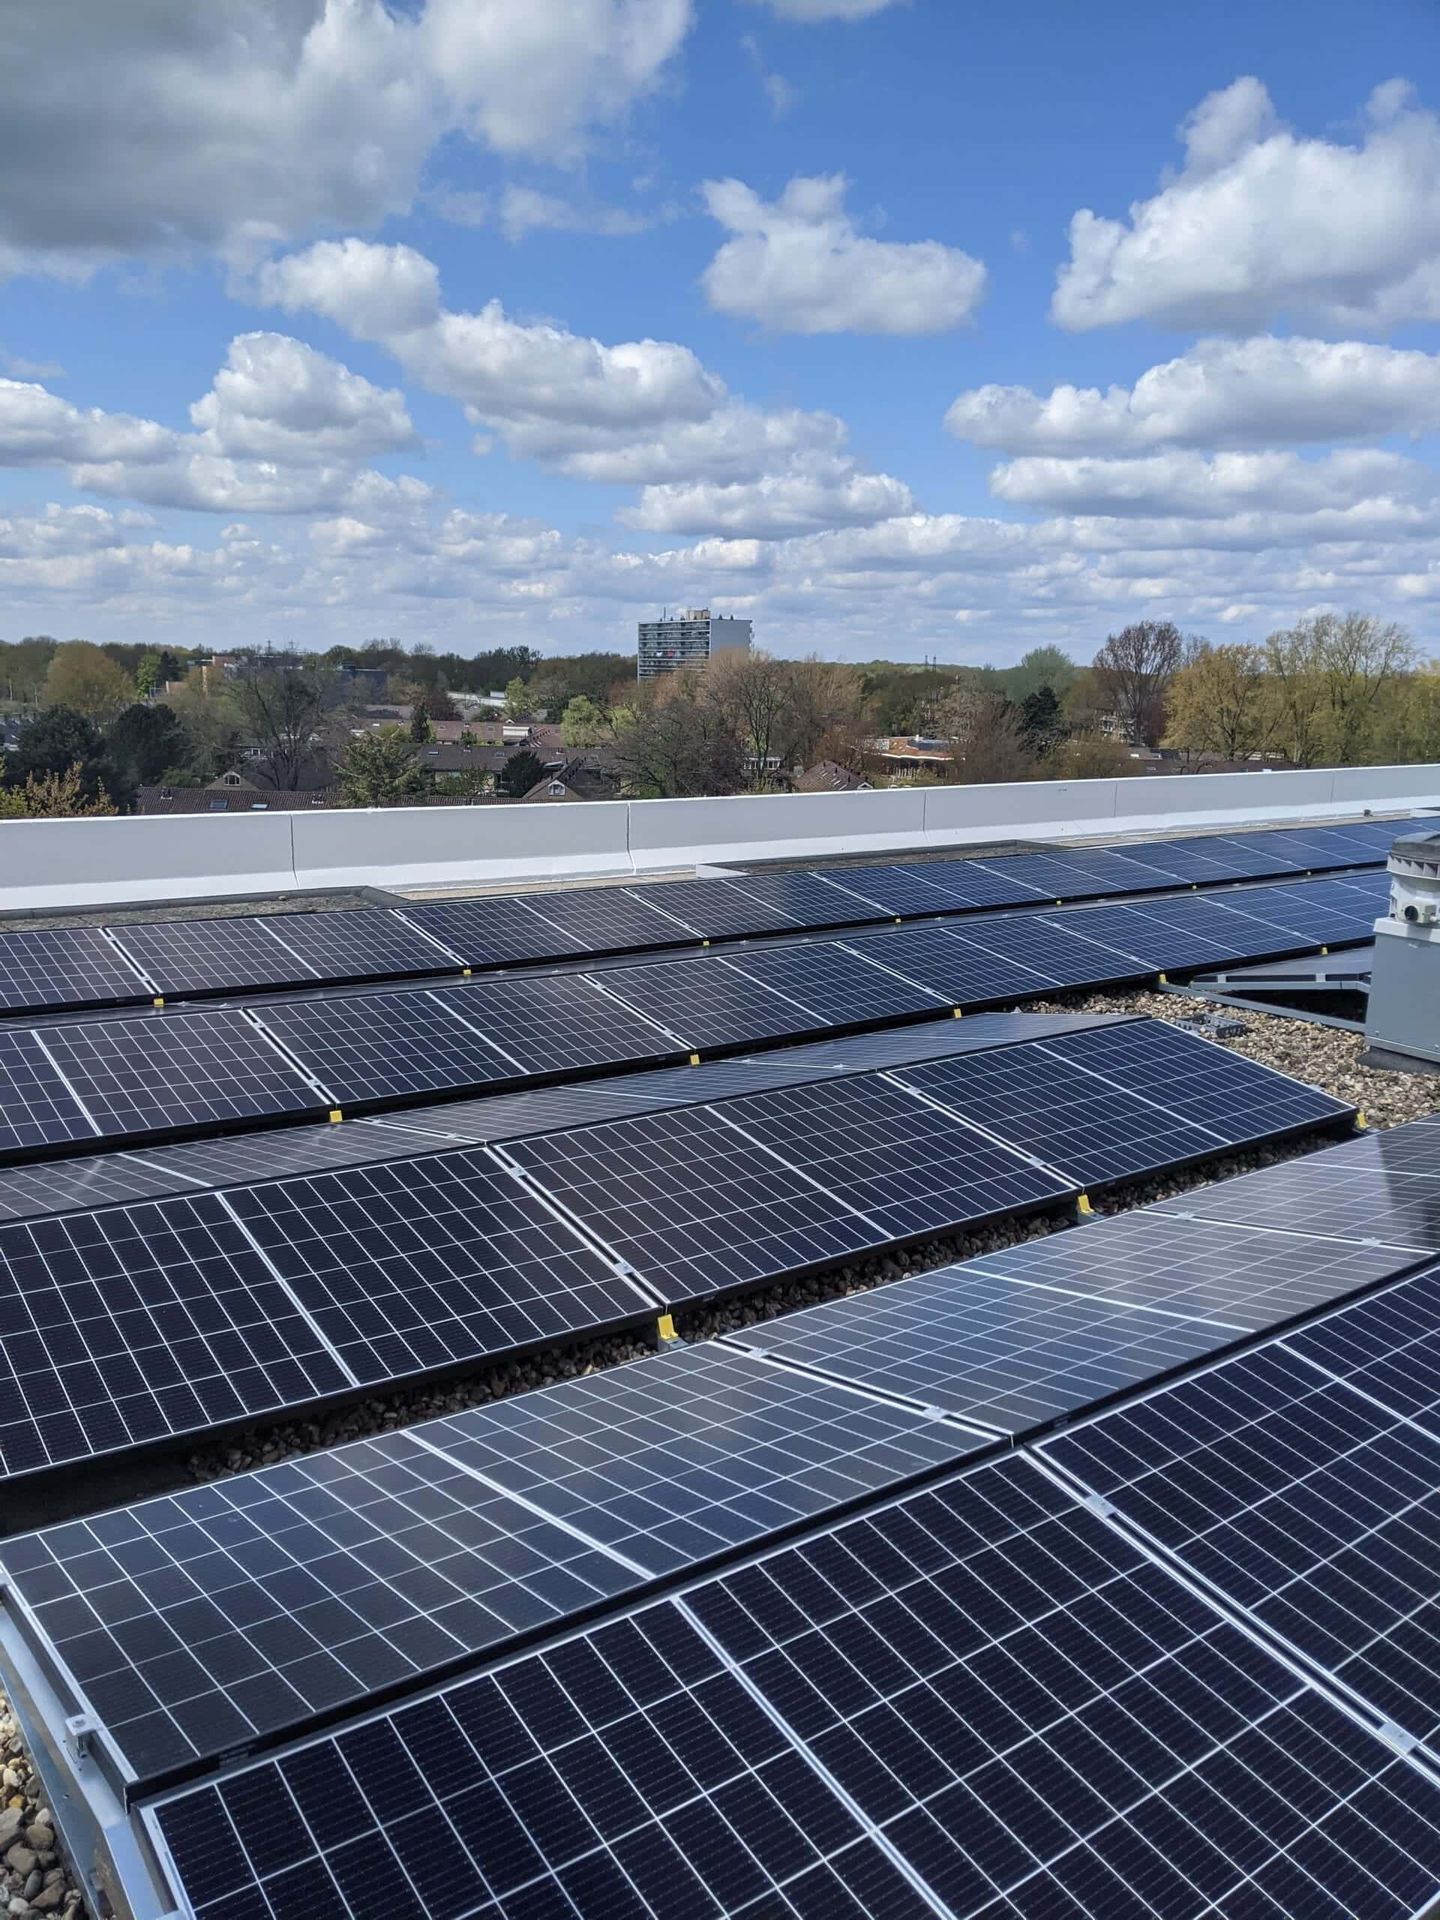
905	327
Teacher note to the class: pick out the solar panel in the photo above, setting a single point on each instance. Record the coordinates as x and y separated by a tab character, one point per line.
163	1073
1053	947
64	966
963	973
1058	877
1409	1149
37	1109
1386	1346
208	956
1318	913
423	1263
842	987
608	920
973	883
708	1003
987	1348
87	1180
210	1619
385	1046
1319	1196
1234	1098
362	943
1033	1097
496	931
672	1460
691	1203
628	1773
898	890
560	1024
1189	863
139	1323
810	898
1316	849
1041	1721
1202	1269
900	1161
1312	1509
1246	853
717	910
1187	933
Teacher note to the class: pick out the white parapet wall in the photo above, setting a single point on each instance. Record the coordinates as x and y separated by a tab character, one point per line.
47	865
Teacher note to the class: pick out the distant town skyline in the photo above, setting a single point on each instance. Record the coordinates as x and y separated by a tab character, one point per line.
900	329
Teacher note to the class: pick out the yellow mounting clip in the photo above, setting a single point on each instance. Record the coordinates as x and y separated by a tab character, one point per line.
158	1001
1362	1120
465	973
336	1116
694	1059
1082	1204
665	1328
1161	981
956	1012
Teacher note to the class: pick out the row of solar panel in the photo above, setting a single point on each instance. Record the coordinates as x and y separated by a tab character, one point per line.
72	1083
218	1616
137	1324
100	966
997	1694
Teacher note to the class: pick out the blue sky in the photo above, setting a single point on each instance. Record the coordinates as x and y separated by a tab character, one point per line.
904	327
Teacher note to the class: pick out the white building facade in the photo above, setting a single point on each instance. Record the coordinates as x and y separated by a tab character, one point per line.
691	638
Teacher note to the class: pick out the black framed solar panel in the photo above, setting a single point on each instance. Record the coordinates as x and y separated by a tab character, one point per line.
139	1324
986	1348
1236	1099
897	1159
1318	914
708	1003
64	966
717	909
37	1109
1140	935
368	1047
810	897
564	1023
169	1073
1033	1097
1386	1346
1189	864
1316	850
362	943
496	931
213	956
82	1182
1042	1721
1414	1148
695	1206
901	891
842	987
1054	948
954	967
223	1615
1197	1268
1245	852
608	919
705	1805
973	883
1319	1195
1057	877
429	1262
1312	1508
1372	887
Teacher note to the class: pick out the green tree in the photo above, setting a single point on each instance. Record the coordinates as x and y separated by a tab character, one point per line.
583	724
420	727
1042	720
380	769
54	796
1218	702
52	743
86	680
145	740
523	770
147	675
517	700
1040	667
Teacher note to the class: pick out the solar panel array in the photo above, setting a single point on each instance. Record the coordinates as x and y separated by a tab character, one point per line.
107	966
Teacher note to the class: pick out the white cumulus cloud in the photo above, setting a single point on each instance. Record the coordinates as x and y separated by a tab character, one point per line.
1215	485
1262	221
799	264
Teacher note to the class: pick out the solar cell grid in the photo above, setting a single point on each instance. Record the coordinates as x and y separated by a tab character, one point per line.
839	985
63	966
985	1347
608	919
361	942
1052	947
896	889
691	1203
626	1774
900	1161
496	931
1319	912
1197	935
1057	877
718	910
1188	862
168	1072
37	1109
708	1003
1386	1346
1245	853
1313	1509
1042	1721
1200	1268
140	1323
1234	1098
1318	1196
963	973
88	1180
971	883
560	1024
1033	1097
809	898
208	956
385	1046
426	1262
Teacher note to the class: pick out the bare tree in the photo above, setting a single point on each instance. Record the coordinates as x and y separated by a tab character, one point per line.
676	743
996	747
281	701
1134	670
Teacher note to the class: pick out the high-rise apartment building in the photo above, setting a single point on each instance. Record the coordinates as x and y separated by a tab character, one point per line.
691	638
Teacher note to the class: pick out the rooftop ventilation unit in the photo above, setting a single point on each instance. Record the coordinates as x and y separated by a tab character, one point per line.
1403	1022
